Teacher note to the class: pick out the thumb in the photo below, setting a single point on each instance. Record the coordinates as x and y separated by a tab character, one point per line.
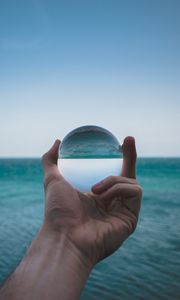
129	158
50	158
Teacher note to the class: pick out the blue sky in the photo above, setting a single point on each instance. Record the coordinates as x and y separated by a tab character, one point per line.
112	63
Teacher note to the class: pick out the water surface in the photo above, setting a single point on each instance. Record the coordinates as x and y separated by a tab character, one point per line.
146	267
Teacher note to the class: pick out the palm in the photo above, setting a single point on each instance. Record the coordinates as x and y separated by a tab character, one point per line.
96	226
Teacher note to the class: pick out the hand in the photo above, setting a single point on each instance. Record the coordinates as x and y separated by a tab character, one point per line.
95	224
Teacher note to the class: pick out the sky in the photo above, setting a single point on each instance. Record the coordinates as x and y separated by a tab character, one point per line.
111	63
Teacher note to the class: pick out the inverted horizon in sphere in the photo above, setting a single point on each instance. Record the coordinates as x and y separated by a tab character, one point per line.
90	142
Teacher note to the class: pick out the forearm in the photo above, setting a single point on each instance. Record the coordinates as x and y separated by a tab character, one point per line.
51	270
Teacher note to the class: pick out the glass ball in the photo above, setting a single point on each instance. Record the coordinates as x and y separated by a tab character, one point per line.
87	155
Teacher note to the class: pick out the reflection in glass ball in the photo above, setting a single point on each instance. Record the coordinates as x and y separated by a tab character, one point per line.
87	155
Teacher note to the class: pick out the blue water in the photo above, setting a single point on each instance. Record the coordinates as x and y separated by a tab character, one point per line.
147	266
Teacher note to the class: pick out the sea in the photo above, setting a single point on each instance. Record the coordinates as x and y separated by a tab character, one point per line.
145	267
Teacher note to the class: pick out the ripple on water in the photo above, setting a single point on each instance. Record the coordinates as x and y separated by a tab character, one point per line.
146	267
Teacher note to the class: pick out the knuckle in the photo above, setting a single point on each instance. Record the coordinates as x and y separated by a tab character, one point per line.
112	179
44	157
133	225
47	181
139	191
118	188
50	179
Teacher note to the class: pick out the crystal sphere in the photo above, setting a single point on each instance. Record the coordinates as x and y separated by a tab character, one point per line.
87	155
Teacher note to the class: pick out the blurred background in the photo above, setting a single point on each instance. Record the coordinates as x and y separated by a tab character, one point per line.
115	64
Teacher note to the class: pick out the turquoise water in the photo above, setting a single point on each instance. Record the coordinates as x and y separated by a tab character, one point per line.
146	267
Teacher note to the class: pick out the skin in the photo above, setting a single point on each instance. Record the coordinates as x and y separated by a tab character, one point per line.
78	231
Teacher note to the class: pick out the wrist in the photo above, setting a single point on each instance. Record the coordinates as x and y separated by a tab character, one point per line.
52	268
61	243
71	267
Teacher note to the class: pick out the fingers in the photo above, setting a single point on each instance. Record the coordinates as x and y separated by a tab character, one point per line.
49	162
109	182
126	193
129	158
50	158
122	189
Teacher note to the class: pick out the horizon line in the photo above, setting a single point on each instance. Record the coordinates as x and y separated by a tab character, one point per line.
39	157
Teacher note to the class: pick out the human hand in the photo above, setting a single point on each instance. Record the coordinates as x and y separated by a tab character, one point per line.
93	224
78	231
